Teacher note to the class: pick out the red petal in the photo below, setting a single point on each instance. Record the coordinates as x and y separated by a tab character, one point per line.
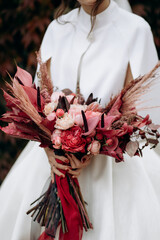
113	146
9	100
13	131
48	124
115	108
32	94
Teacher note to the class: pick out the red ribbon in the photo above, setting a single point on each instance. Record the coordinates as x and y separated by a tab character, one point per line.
44	236
70	210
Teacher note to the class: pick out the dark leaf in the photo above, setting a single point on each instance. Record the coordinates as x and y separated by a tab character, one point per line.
85	121
153	141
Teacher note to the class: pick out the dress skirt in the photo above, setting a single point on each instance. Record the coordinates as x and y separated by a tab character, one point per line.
123	198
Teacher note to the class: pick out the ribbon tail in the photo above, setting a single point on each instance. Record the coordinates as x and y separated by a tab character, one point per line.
44	236
70	210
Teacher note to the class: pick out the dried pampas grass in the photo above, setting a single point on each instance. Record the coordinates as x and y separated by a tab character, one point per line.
46	84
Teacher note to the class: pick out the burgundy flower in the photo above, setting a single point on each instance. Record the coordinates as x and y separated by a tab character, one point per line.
111	144
72	140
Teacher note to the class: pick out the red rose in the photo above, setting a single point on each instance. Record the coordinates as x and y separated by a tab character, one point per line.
72	140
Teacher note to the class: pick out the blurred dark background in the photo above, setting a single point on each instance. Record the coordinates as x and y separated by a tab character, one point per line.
22	26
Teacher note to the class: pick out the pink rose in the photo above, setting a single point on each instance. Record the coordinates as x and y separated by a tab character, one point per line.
56	138
94	147
56	133
51	116
57	142
75	113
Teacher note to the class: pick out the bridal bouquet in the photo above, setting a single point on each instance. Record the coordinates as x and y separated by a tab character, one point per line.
66	123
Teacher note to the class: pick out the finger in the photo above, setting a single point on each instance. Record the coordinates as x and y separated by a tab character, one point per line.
61	166
57	172
75	173
51	154
62	158
52	176
87	158
77	162
72	163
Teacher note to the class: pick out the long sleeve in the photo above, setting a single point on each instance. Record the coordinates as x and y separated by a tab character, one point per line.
143	55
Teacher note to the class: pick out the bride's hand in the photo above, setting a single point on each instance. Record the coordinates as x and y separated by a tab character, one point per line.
77	165
54	165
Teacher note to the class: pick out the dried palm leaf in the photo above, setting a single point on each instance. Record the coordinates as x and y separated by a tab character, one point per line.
25	105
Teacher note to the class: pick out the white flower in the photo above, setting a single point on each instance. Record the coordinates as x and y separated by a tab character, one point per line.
50	107
65	122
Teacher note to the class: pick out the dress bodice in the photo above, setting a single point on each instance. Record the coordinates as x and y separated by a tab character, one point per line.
99	59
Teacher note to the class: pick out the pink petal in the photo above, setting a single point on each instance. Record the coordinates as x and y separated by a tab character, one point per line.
152	126
108	120
51	116
92	123
24	77
131	148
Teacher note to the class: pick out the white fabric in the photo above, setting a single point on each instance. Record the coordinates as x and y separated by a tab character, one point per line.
123	199
124	4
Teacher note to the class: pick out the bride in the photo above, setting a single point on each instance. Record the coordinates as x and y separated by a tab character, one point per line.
101	56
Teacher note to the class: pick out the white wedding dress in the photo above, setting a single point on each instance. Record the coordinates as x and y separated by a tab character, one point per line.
123	198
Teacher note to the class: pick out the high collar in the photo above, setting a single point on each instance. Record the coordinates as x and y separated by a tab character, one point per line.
102	19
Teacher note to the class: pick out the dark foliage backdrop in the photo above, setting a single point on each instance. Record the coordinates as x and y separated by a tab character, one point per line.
22	26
